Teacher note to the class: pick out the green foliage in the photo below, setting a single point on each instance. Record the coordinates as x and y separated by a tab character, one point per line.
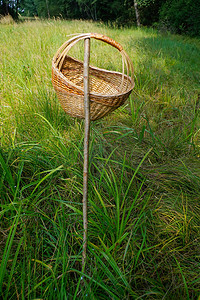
181	16
149	11
176	16
9	7
29	7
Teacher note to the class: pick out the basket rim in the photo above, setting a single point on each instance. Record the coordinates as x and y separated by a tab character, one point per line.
96	69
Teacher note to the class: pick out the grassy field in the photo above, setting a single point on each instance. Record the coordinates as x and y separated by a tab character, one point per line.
144	182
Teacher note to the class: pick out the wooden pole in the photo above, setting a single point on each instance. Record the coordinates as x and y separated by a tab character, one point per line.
86	144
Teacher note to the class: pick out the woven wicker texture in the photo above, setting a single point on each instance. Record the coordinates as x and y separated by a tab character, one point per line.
108	89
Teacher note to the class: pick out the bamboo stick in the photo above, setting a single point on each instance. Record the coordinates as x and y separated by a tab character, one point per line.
86	145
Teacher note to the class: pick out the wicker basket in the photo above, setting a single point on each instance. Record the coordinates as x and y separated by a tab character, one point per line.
108	89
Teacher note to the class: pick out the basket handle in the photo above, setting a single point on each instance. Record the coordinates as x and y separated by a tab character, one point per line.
64	49
107	40
118	46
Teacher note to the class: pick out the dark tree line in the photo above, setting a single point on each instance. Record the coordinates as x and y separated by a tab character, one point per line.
9	7
179	16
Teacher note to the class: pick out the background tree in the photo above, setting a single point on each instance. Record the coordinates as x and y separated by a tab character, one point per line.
137	14
28	8
9	7
181	16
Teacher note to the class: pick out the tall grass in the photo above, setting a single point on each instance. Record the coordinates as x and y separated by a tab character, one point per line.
144	182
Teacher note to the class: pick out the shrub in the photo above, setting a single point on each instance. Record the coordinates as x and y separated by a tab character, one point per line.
181	16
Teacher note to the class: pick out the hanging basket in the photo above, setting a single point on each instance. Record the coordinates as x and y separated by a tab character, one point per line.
108	89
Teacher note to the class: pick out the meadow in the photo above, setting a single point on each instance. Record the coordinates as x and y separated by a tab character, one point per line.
144	170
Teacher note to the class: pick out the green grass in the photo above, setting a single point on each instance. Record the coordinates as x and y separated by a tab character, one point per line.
144	181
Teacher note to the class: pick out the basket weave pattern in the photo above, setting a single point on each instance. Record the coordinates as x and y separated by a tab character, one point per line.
108	89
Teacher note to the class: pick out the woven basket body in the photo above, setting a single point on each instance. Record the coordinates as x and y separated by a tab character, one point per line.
108	89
